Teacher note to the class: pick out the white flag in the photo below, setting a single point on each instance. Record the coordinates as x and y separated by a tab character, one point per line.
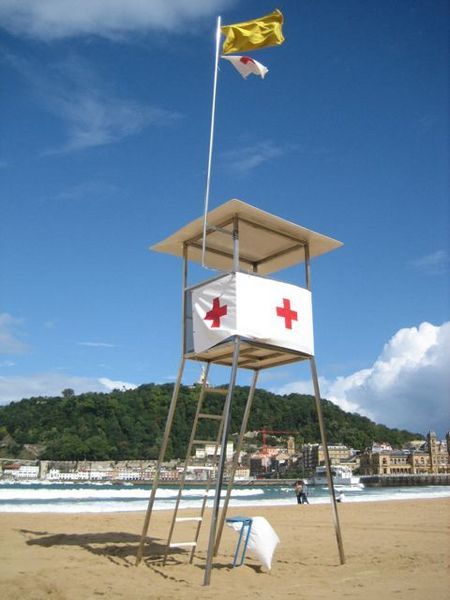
246	66
271	312
214	312
276	313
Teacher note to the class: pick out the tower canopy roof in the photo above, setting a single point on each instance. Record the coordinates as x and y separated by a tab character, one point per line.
267	243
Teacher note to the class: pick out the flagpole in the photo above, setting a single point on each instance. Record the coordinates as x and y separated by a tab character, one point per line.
211	138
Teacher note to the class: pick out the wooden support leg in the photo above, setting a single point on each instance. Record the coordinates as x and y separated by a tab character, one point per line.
323	436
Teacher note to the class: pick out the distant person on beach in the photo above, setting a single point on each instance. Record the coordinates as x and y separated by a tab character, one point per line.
298	489
300	492
305	493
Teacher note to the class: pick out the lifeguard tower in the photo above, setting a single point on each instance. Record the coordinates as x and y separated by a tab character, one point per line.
242	319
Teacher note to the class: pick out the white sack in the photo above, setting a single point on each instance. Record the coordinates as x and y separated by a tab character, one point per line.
262	541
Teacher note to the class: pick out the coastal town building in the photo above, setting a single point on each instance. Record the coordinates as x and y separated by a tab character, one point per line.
418	457
273	461
313	455
438	451
259	464
207	451
58	475
169	474
200	473
291	446
21	472
242	473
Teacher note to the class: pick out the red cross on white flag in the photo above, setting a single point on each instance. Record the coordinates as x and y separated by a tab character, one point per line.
216	313
287	314
247	66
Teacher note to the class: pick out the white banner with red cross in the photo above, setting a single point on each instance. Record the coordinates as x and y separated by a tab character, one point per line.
262	310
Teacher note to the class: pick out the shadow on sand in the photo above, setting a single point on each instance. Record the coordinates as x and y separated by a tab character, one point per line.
121	548
117	546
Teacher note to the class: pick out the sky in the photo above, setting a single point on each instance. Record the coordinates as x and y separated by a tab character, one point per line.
106	111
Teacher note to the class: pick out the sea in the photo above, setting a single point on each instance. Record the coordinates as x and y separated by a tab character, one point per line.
52	497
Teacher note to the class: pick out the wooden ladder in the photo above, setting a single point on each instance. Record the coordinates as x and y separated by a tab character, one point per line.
217	523
193	441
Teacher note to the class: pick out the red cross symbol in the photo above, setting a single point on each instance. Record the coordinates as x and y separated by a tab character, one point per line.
216	312
286	312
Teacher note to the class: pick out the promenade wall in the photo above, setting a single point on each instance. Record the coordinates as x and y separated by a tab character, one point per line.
405	480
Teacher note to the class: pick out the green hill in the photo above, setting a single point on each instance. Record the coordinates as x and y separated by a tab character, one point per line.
130	424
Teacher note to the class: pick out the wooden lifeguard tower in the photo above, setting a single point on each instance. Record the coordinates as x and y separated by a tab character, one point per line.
240	318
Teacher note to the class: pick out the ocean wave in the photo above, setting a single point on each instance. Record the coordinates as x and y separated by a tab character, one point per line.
111	494
123	506
98	499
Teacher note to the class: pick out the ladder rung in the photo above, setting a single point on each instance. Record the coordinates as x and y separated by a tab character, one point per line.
207	416
179	519
181	544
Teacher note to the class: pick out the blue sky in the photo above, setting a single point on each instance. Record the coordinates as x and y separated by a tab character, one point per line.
105	128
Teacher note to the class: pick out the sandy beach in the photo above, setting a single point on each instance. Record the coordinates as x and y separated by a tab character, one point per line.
394	549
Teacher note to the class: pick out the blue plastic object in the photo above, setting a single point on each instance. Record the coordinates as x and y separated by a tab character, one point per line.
246	523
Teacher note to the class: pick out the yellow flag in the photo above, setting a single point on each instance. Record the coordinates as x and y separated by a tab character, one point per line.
251	35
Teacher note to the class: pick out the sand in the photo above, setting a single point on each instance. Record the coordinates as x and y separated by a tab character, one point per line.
394	549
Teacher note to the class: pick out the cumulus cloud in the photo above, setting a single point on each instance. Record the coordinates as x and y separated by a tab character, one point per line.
10	333
58	19
408	386
51	384
92	113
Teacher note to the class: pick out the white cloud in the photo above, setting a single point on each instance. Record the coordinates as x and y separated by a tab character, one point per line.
57	19
94	119
408	386
246	158
436	263
110	384
93	115
10	342
52	384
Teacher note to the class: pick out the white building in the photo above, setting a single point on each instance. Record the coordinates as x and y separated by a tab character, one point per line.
200	473
28	472
57	475
242	473
22	472
207	451
129	474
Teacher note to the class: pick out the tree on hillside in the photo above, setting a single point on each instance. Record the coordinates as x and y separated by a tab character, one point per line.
130	424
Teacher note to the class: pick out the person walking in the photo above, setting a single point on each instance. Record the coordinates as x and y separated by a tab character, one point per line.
304	493
298	489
